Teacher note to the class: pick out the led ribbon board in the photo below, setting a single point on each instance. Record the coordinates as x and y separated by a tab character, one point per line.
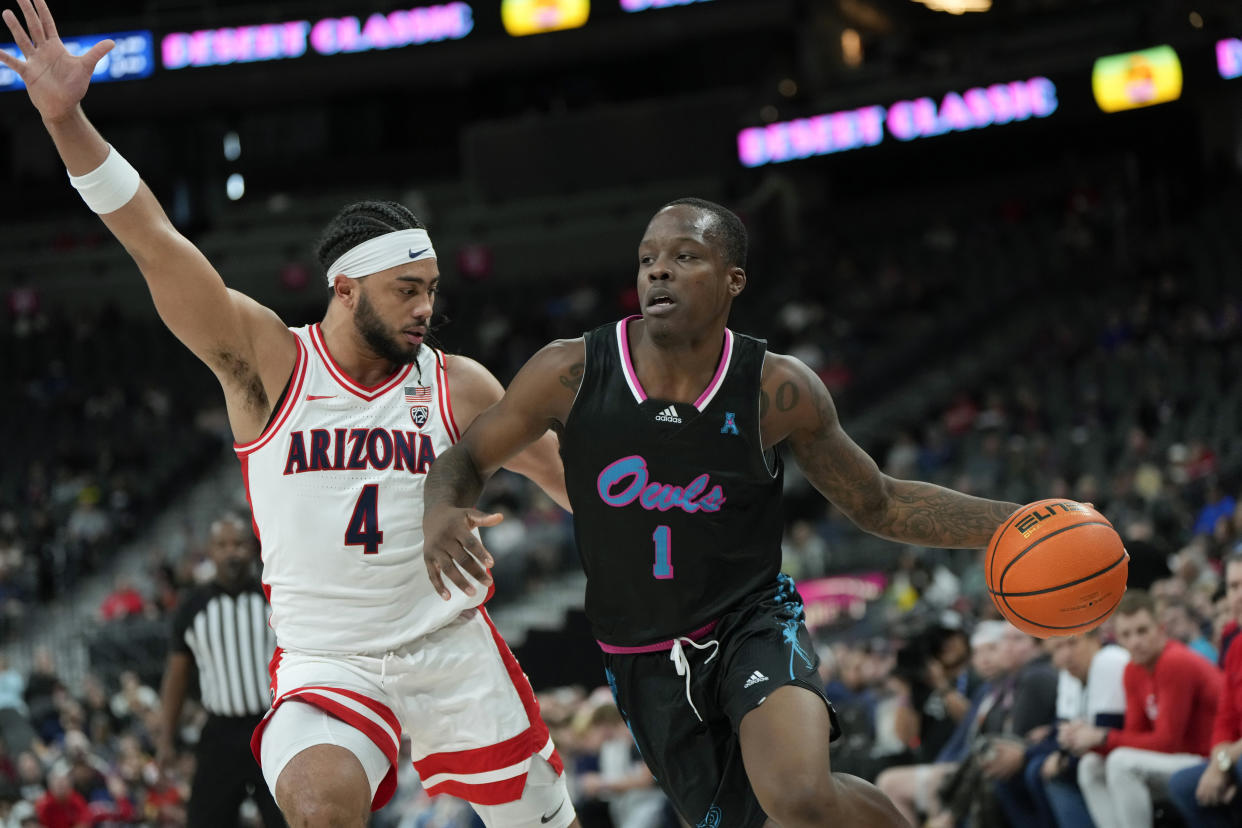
531	17
976	108
1137	79
644	5
1229	58
329	36
132	58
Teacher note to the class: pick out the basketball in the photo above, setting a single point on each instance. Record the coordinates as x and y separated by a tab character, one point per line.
1056	567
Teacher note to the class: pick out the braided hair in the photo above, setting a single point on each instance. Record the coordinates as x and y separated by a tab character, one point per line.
727	231
360	222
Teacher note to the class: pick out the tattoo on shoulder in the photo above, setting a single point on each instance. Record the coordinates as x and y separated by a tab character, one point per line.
764	403
572	379
786	396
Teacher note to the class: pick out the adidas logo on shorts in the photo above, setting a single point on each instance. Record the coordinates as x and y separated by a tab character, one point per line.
668	415
754	679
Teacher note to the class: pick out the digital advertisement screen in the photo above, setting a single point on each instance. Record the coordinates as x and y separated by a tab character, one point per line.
841	598
1137	79
531	17
329	36
644	5
1229	58
132	58
972	109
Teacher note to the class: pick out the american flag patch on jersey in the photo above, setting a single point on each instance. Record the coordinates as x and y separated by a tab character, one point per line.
418	394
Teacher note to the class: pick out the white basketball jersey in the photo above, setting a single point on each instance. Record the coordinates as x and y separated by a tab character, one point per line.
336	490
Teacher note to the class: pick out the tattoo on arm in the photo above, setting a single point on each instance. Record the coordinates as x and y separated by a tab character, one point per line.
786	396
932	515
764	403
902	510
572	379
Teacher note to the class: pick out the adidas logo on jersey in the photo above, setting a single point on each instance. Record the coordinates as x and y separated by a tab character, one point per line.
754	679
668	415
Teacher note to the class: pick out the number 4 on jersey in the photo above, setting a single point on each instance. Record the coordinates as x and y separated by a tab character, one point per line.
363	529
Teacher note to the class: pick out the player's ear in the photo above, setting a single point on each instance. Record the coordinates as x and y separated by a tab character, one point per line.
737	281
345	289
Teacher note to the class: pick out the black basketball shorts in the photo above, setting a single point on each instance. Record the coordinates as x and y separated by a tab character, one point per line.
763	645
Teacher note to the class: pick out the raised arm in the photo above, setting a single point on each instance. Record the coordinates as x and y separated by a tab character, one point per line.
224	329
539	398
474	390
796	406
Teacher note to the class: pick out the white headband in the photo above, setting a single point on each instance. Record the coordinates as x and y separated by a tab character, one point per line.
381	253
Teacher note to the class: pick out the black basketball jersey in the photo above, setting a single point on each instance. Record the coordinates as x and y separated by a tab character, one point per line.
677	512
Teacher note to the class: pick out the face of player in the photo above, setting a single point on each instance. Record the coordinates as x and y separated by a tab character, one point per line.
684	285
393	309
232	552
1140	634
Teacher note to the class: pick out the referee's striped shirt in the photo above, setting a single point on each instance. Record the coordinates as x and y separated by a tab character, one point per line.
228	637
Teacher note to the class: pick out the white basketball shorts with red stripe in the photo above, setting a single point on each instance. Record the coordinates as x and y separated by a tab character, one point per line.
457	693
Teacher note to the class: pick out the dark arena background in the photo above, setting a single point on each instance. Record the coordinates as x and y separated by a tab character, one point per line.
1007	234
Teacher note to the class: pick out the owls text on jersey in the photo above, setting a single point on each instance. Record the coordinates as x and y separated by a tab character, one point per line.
335	485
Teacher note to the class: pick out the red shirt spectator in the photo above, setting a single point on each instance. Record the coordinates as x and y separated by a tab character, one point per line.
123	602
1228	726
1170	707
62	806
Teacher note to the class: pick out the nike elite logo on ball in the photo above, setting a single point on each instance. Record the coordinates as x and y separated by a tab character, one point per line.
414	254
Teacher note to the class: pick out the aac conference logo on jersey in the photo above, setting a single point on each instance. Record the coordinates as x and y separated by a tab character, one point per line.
1137	79
528	17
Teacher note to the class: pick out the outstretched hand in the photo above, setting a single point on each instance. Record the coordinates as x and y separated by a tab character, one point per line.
450	546
55	79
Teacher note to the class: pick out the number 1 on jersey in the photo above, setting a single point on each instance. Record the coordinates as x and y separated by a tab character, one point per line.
663	569
363	529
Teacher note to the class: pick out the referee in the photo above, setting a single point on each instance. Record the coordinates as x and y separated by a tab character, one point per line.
221	628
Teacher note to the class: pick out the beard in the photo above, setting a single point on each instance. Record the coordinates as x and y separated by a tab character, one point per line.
378	337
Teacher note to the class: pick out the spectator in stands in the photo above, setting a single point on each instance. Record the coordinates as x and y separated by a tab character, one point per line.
991	783
87	771
124	601
30	777
43	687
101	723
1092	691
623	780
133	700
932	679
1206	793
1217	503
1181	622
1171	698
12	686
62	806
915	789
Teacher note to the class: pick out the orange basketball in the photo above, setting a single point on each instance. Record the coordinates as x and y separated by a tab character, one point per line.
1056	567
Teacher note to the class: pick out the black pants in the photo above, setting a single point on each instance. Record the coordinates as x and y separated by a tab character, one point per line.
226	774
763	645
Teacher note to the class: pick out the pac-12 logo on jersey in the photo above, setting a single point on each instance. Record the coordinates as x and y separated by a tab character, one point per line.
419	415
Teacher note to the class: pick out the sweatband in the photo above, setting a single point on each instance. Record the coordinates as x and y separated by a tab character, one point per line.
109	186
381	253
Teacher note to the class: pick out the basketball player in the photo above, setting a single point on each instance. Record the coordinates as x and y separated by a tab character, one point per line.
668	424
336	425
